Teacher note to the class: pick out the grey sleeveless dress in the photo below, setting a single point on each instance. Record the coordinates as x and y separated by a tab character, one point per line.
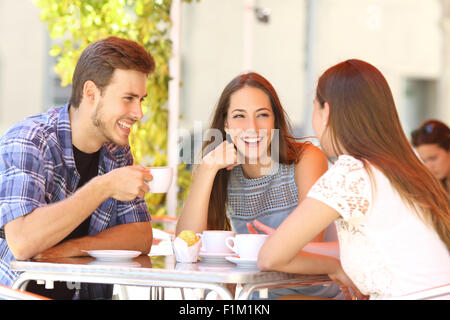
269	199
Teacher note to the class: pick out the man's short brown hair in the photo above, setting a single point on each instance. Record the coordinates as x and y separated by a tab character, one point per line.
99	60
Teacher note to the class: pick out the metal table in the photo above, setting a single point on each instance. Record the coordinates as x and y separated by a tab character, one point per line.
159	271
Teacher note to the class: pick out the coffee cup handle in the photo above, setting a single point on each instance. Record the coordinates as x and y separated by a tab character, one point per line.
231	247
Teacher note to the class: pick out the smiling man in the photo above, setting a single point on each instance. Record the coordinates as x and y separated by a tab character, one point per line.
67	179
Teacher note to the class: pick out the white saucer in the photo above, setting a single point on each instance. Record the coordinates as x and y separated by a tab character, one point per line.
214	257
113	255
244	263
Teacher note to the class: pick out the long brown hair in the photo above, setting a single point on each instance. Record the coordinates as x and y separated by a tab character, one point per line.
364	122
289	150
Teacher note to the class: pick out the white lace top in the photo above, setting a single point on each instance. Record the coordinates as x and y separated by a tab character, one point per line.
386	249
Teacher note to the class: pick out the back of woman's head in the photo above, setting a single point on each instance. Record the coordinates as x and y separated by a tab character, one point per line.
362	116
364	123
432	132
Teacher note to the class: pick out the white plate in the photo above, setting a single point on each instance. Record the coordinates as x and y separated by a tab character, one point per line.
214	257
244	263
113	255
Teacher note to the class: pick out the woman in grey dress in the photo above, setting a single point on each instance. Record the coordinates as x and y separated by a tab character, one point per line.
256	170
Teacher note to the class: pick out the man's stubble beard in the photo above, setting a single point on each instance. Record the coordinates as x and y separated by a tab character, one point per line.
101	126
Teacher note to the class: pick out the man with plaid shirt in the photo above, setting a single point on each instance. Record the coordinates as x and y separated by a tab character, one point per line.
67	179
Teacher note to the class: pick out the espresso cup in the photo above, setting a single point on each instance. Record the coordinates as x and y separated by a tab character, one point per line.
247	246
162	179
214	241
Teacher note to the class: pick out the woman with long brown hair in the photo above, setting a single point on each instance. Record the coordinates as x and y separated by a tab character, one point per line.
261	172
392	215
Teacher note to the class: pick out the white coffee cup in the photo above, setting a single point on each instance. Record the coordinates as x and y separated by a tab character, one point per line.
247	246
162	179
214	241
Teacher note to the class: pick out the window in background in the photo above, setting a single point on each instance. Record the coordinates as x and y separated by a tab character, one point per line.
420	102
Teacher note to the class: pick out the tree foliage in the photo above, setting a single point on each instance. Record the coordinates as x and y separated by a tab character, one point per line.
73	24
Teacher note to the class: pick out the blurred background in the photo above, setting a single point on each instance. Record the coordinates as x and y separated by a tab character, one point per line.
290	42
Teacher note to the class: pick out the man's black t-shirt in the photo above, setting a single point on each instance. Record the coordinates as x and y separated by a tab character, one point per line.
87	167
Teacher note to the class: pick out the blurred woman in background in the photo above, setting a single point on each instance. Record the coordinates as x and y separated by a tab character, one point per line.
432	142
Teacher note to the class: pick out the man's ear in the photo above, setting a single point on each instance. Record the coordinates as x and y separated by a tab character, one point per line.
90	91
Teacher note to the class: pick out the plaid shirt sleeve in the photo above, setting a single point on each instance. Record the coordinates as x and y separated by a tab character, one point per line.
132	211
22	179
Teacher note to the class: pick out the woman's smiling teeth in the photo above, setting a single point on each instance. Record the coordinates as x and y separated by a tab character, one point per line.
252	140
